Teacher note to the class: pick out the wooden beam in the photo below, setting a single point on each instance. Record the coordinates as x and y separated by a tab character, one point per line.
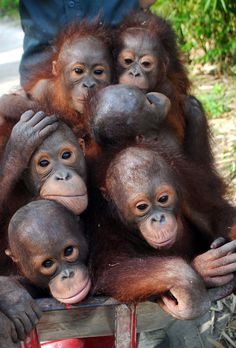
93	317
125	326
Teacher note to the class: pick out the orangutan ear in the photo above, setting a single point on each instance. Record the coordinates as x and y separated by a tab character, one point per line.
10	254
54	68
82	144
139	139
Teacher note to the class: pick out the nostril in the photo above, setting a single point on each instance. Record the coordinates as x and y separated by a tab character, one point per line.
67	176
162	219
134	73
88	85
68	274
71	275
62	176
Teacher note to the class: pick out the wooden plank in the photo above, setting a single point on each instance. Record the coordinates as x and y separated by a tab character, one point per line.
93	317
125	326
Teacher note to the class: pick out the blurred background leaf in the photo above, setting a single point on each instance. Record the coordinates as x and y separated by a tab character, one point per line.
206	30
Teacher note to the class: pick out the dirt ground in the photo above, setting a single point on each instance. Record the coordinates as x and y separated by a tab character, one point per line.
223	127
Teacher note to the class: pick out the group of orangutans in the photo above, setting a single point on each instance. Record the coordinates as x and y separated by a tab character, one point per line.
107	180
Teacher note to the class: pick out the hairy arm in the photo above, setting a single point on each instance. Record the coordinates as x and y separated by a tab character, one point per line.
181	293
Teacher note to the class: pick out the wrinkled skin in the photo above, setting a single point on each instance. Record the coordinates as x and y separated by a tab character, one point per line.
152	207
86	66
183	296
182	300
28	133
139	59
57	171
17	304
48	245
82	66
147	205
119	107
8	335
57	168
218	265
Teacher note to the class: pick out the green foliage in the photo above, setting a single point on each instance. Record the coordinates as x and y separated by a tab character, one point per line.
206	29
215	101
8	7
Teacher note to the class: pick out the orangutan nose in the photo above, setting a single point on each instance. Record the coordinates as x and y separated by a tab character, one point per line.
159	218
89	83
162	219
62	176
67	274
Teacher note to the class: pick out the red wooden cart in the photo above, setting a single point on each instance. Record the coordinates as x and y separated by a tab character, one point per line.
97	316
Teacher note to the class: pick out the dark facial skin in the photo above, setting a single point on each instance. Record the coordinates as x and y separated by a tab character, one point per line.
120	113
138	59
148	205
47	243
26	136
142	184
148	201
57	171
82	66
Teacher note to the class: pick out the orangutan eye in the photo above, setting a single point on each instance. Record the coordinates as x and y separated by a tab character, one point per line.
47	263
68	251
142	206
66	155
146	64
128	61
71	253
98	72
43	163
163	199
78	71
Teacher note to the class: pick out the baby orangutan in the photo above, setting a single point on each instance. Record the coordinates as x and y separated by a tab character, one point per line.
47	243
80	63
